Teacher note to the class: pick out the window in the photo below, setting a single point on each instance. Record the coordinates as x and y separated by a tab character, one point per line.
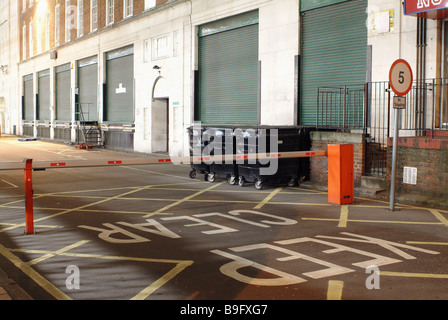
80	18
39	32
24	42
31	39
93	15
150	4
57	27
128	8
47	31
160	47
109	12
147	50
67	20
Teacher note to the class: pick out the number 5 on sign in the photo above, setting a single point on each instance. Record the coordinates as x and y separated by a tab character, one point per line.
401	77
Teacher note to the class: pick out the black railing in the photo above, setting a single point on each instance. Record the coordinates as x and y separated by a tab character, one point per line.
369	107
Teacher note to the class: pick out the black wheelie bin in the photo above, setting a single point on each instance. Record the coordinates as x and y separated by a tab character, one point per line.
292	171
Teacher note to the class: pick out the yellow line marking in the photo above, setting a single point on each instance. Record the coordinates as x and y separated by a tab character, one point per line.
58	252
115	189
334	291
162	281
439	216
375	221
145	293
310	191
30	272
429	243
81	207
37	226
344	216
184	200
414	275
268	198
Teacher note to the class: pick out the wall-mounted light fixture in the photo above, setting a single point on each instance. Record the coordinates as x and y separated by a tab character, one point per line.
4	69
158	68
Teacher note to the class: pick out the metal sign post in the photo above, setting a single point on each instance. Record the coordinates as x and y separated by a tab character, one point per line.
401	79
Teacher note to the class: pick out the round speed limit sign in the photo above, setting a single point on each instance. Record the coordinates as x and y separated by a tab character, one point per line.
401	77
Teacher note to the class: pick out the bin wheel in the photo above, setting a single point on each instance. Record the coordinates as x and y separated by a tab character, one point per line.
241	181
232	180
193	174
211	177
292	182
259	184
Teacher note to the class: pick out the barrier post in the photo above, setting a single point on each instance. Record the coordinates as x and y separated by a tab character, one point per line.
29	209
341	183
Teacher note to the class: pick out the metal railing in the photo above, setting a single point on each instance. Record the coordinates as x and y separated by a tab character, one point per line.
368	107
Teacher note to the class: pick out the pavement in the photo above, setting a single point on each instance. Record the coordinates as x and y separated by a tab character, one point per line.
76	212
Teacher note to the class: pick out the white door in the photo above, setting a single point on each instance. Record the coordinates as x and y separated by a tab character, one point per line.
160	121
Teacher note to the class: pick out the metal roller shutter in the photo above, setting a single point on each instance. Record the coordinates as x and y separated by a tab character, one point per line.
228	71
28	92
120	86
63	88
44	96
88	87
334	50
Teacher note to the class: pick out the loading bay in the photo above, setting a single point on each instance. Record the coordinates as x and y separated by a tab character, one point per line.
152	233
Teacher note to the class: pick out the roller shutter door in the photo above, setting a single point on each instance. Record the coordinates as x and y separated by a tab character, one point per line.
120	86
334	49
228	71
28	92
88	87
44	96
63	89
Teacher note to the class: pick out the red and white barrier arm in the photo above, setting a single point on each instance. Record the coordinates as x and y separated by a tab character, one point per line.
41	165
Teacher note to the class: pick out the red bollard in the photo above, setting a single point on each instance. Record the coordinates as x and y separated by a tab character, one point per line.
29	210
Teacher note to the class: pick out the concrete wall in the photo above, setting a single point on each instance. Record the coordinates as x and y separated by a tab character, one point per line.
399	42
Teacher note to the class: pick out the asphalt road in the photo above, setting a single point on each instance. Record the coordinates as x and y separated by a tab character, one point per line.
150	232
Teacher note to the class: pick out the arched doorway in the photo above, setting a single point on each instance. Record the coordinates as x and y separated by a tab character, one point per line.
160	116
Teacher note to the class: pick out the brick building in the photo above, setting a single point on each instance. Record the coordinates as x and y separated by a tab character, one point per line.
49	24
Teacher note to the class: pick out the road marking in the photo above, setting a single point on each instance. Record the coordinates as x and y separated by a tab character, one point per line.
58	252
268	198
163	280
429	243
11	184
145	293
92	204
184	200
344	217
414	275
30	272
158	173
37	226
375	221
334	291
439	216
